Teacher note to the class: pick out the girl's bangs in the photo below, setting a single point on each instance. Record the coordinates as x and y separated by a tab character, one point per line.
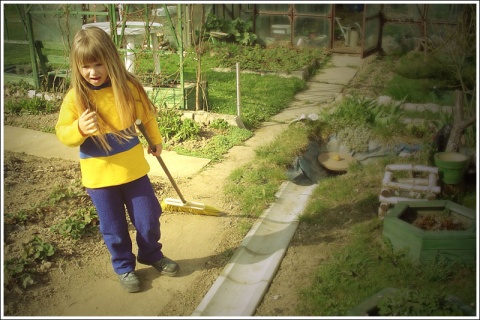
86	55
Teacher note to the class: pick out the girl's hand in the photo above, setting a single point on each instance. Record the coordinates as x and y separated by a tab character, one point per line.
158	150
87	123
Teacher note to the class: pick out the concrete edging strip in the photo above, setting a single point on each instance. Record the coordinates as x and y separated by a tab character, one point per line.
244	281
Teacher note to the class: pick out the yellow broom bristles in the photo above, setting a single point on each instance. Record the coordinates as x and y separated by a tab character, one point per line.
176	205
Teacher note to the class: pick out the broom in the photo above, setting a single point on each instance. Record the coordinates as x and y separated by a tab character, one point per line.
181	204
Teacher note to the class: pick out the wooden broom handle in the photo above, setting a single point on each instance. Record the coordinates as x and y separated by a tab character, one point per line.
152	146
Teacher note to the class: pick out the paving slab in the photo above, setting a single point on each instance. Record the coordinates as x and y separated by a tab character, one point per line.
345	60
338	75
47	145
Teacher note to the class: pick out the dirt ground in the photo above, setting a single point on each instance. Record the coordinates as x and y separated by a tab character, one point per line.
72	284
79	279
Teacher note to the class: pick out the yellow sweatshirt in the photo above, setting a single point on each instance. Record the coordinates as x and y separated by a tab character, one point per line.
126	162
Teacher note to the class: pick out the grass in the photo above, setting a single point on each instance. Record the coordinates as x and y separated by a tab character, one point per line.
421	78
219	144
366	264
419	90
254	185
261	96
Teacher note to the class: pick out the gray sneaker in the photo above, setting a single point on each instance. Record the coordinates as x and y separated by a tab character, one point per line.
164	265
129	281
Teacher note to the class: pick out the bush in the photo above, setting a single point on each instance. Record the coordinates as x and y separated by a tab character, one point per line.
417	303
174	129
31	106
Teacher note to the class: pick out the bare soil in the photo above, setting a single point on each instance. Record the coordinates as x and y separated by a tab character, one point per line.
78	279
71	282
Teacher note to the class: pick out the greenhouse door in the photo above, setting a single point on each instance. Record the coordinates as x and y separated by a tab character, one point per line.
372	29
356	28
346	29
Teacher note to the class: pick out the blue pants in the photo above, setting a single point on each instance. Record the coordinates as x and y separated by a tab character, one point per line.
144	211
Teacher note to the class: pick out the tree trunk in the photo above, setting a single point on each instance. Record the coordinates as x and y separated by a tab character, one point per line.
459	124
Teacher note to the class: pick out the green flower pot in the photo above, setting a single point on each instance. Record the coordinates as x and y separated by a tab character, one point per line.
451	166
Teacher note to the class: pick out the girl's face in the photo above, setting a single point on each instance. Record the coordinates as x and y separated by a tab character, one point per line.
94	73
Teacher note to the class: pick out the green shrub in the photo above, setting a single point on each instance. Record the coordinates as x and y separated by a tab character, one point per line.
274	58
238	30
174	129
188	130
34	105
219	124
418	65
407	302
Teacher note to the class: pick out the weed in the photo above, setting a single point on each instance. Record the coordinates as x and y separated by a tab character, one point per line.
174	129
17	270
219	124
82	222
356	138
392	255
315	213
441	270
22	269
37	249
189	129
273	58
256	186
18	218
61	192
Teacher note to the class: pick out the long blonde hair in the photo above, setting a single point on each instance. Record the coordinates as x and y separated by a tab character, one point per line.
95	45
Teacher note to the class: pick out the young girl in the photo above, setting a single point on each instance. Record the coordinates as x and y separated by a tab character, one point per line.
98	114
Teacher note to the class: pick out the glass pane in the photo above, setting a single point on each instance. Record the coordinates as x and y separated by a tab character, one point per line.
372	9
320	9
400	38
55	27
309	31
371	34
444	12
402	11
442	36
277	7
352	7
271	29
